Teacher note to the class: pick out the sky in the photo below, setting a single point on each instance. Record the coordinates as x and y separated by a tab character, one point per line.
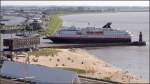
76	3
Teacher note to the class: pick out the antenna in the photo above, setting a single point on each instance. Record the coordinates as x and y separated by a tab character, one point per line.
88	23
108	25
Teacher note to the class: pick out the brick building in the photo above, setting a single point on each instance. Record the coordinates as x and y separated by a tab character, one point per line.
21	43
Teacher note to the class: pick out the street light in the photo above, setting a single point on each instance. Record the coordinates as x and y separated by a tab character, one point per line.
1	43
1	48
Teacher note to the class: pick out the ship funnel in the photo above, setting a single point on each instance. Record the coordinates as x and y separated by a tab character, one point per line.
108	25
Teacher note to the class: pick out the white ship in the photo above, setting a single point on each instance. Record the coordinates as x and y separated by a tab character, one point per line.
91	35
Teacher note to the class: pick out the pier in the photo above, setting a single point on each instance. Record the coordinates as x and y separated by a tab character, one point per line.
136	43
140	42
11	28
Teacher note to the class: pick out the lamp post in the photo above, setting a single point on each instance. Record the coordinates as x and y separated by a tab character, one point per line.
1	42
1	46
1	49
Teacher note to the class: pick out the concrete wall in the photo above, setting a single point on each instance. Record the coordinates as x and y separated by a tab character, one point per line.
8	81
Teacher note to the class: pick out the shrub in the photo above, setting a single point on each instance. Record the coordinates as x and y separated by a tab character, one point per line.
68	58
79	71
58	60
63	64
45	52
107	78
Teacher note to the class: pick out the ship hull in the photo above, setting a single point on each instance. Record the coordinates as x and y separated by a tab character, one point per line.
88	40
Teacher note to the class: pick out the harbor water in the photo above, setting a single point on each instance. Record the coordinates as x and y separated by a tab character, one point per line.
134	59
13	20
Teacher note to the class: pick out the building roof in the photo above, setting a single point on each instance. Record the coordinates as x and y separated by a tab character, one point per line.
38	74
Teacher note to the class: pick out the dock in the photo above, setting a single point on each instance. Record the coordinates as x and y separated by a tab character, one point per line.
140	42
52	45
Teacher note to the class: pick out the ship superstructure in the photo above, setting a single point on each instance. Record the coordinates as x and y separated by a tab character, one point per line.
91	35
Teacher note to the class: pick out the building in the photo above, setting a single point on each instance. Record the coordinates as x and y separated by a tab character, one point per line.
37	74
21	43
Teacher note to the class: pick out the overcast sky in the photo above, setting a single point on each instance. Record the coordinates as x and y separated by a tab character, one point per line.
76	3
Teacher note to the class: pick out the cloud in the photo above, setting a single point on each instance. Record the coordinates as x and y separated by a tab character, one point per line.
76	3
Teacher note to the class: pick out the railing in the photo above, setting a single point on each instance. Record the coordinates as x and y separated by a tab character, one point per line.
11	28
100	80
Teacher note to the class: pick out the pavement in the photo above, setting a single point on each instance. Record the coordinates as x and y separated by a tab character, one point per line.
89	81
10	81
82	81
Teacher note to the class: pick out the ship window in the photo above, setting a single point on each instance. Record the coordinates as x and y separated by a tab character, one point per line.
79	33
95	33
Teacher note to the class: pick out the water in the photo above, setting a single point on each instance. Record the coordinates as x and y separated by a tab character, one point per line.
13	20
134	59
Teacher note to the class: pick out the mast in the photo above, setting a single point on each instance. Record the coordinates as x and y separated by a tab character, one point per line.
140	37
